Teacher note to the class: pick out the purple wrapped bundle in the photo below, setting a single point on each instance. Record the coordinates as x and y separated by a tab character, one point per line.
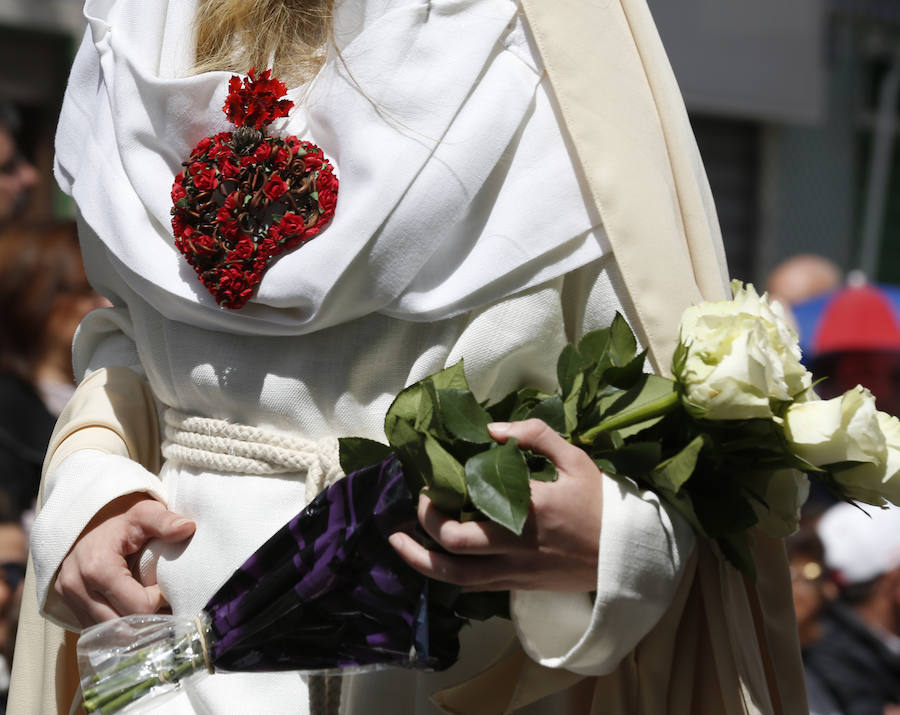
329	591
326	592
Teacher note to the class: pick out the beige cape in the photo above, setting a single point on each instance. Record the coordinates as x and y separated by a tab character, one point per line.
724	646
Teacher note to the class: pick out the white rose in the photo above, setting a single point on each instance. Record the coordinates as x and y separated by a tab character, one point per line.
842	429
736	357
786	492
874	482
849	428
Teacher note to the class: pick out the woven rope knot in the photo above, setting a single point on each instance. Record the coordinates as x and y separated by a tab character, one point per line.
222	446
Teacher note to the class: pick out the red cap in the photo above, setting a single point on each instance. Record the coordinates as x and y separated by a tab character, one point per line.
858	318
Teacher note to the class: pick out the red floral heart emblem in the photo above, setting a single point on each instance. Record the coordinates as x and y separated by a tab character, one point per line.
244	198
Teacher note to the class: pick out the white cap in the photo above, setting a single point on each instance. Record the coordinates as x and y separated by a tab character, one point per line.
859	548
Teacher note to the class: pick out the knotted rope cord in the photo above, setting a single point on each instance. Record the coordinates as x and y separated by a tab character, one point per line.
223	446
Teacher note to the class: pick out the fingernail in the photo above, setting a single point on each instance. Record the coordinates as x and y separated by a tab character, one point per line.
395	540
178	523
499	428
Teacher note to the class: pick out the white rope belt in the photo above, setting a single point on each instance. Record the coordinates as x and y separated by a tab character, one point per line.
230	448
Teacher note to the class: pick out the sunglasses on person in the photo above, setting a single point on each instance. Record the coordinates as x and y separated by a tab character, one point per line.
13	573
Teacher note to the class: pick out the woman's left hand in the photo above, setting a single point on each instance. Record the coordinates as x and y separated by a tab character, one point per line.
557	550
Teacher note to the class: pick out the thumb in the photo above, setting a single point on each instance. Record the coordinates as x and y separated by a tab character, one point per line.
155	598
157	522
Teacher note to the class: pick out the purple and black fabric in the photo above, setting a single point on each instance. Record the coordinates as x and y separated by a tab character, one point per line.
329	591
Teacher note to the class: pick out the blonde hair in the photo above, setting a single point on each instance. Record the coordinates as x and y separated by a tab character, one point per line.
288	35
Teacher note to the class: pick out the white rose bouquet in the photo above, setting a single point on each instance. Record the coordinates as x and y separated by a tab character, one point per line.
731	441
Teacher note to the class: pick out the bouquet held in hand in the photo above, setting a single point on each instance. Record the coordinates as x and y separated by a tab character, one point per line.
730	441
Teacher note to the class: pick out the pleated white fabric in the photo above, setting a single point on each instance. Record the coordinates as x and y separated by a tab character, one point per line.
456	187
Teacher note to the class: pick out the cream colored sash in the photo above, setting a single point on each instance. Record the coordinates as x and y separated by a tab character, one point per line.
725	646
626	119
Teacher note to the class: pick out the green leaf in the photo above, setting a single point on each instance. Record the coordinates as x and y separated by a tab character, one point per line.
528	399
626	376
593	345
722	504
684	506
551	411
622	343
570	407
497	480
569	369
358	453
405	409
447	478
410	448
541	468
675	471
450	378
638	427
635	459
651	396
736	548
425	415
501	411
679	359
463	416
427	464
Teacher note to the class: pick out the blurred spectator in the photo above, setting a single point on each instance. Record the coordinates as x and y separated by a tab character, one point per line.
13	556
17	175
858	656
856	341
802	277
812	591
43	296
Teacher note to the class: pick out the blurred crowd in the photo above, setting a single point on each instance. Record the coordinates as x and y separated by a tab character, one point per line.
845	564
44	294
845	560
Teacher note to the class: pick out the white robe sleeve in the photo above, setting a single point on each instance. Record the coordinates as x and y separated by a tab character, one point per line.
76	488
644	544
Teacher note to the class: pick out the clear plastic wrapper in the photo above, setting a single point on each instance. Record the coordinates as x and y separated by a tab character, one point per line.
123	660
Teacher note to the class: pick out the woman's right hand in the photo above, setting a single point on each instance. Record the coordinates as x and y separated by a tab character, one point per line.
95	579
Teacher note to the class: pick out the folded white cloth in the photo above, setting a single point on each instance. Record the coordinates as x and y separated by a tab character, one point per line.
456	187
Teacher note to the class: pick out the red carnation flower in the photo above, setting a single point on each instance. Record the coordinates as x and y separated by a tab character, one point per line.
244	249
267	246
292	225
312	162
178	224
204	244
255	101
327	202
282	157
275	187
220	152
229	169
326	181
203	145
229	229
206	180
